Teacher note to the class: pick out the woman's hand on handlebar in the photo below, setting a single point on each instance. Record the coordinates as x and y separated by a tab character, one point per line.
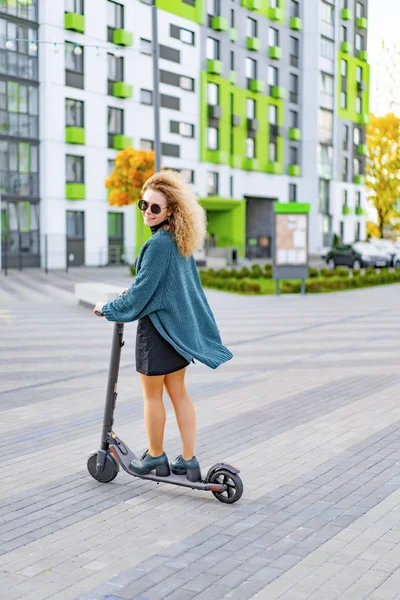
98	309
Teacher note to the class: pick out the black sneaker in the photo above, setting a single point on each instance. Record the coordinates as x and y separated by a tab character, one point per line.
148	463
190	468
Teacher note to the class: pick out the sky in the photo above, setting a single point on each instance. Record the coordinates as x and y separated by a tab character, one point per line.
383	22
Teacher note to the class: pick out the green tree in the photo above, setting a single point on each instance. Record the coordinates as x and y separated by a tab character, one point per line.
383	167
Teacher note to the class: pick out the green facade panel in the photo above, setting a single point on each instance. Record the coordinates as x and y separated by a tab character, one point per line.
257	85
121	37
362	149
294	134
359	179
233	34
253	43
122	90
346	210
219	24
74	22
183	9
296	23
75	191
350	111
363	55
287	208
278	92
121	142
215	67
347	14
360	211
232	76
346	47
362	23
294	170
226	218
275	52
74	135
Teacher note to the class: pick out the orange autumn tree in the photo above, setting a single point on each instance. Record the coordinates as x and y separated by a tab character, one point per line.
132	168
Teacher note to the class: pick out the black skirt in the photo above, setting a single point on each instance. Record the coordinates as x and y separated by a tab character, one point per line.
154	355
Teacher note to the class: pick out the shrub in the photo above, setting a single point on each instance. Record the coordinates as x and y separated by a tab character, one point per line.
313	273
223	273
290	287
370	271
268	271
256	272
356	272
342	272
327	273
244	272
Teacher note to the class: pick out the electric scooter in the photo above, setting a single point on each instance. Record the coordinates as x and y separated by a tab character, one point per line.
103	465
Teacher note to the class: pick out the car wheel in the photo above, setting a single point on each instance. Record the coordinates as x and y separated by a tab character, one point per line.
356	264
331	264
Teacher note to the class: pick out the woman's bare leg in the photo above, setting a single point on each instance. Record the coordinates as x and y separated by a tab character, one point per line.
154	412
184	411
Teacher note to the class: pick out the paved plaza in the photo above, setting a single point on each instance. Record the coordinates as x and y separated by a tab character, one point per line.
309	409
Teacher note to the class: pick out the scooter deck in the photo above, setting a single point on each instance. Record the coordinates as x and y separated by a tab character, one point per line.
124	456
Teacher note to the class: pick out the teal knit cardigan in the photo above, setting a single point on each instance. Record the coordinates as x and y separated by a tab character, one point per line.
167	288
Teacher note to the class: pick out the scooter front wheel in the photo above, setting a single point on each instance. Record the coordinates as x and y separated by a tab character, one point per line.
233	484
110	471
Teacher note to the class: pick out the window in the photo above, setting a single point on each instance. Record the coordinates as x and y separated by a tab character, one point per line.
115	225
75	224
184	129
294	9
212	94
359	74
326	84
21	59
360	10
343	34
187	174
74	116
341	231
146	46
274	3
232	60
357	136
24	10
251	27
146	145
273	77
273	37
184	35
325	160
345	137
324	196
294	88
212	183
250	108
358	105
294	118
190	2
343	100
74	65
170	150
231	186
292	192
293	155
19	168
115	68
214	7
360	42
75	169
273	152
250	148
115	18
115	124
212	49
212	138
146	96
170	102
232	17
272	114
327	48
185	83
357	170
171	54
343	68
325	126
345	199
18	109
294	51
251	68
327	13
74	6
358	199
358	231
110	166
345	170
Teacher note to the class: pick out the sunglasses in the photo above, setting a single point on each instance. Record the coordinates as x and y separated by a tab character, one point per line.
155	208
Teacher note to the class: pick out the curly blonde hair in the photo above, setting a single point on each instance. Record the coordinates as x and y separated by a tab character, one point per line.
187	221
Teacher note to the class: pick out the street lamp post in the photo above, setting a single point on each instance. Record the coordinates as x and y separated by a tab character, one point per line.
156	90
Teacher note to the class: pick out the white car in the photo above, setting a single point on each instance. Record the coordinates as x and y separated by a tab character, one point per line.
389	249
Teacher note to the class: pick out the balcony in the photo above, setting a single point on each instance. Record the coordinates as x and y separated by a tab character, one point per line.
347	14
362	23
296	23
274	168
74	22
251	164
275	52
362	149
74	135
257	85
294	170
360	211
253	4
359	179
219	24
75	191
278	92
275	14
215	67
346	210
233	34
120	141
121	37
346	47
295	134
363	55
122	90
253	43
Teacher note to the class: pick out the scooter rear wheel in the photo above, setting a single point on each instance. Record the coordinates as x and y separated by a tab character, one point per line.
110	471
233	483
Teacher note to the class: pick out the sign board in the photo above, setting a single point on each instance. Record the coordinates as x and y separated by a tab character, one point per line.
290	245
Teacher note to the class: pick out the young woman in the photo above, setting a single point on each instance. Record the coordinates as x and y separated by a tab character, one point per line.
175	322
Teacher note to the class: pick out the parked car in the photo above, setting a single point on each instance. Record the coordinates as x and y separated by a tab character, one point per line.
388	248
357	256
